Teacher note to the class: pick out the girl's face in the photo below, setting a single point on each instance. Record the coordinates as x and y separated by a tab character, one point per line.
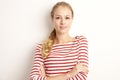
62	19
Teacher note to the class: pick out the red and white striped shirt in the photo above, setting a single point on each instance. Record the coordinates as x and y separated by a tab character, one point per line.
62	59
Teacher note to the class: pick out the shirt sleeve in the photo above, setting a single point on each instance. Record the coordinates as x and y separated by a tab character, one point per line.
38	61
82	58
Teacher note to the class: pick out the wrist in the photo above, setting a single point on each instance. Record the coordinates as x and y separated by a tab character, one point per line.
68	75
71	73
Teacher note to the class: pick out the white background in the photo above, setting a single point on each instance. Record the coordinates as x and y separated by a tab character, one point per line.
24	23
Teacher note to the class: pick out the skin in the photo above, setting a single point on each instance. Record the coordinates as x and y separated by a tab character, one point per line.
62	21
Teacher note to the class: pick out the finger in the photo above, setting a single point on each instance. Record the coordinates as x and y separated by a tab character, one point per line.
82	64
85	65
86	71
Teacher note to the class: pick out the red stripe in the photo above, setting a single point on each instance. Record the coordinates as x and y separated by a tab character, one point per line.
48	66
55	72
65	55
60	60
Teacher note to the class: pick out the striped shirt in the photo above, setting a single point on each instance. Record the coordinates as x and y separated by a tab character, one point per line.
62	59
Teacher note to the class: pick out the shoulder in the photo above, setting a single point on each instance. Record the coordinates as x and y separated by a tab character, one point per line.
38	47
38	53
81	38
38	50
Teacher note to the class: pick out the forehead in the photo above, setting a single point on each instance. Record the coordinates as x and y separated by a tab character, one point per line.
62	10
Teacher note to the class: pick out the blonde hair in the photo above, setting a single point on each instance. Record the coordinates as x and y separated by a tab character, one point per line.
47	45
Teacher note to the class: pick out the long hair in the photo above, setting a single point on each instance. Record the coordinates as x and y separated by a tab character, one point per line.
47	45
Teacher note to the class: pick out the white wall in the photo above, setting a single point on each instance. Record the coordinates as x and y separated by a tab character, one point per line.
24	23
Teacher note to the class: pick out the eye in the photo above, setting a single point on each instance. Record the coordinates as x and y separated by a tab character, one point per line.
57	17
67	18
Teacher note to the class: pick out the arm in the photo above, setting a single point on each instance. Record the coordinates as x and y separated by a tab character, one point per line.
37	72
58	77
65	76
82	66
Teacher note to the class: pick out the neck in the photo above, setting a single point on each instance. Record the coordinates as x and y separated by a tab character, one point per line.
62	38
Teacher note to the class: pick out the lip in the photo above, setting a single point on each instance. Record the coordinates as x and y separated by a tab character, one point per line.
63	27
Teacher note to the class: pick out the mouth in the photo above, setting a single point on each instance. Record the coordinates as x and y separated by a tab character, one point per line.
63	27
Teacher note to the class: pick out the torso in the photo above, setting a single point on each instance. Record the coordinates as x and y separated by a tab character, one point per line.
62	58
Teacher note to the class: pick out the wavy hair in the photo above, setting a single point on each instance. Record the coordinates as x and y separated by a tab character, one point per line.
47	45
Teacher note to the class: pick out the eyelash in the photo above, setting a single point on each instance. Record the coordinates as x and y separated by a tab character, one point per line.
57	18
65	18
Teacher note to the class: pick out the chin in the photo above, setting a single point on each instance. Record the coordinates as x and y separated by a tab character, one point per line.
63	32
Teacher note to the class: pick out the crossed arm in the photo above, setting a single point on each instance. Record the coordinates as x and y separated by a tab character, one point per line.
38	73
80	67
79	72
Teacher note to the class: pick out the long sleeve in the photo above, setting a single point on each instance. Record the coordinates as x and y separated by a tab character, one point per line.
82	58
37	65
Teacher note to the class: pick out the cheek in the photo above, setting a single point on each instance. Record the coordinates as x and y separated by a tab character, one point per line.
55	22
69	22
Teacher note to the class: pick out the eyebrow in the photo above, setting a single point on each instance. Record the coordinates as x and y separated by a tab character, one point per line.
60	15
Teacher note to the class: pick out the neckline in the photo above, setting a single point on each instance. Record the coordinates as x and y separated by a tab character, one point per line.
60	44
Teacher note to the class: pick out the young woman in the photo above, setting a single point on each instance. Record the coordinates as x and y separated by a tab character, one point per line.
61	57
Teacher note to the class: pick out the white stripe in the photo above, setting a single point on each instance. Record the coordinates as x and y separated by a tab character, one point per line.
60	65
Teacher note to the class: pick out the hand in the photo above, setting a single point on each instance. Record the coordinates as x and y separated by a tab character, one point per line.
72	73
42	70
81	67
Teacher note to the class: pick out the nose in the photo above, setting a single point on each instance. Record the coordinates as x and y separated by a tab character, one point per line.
62	21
